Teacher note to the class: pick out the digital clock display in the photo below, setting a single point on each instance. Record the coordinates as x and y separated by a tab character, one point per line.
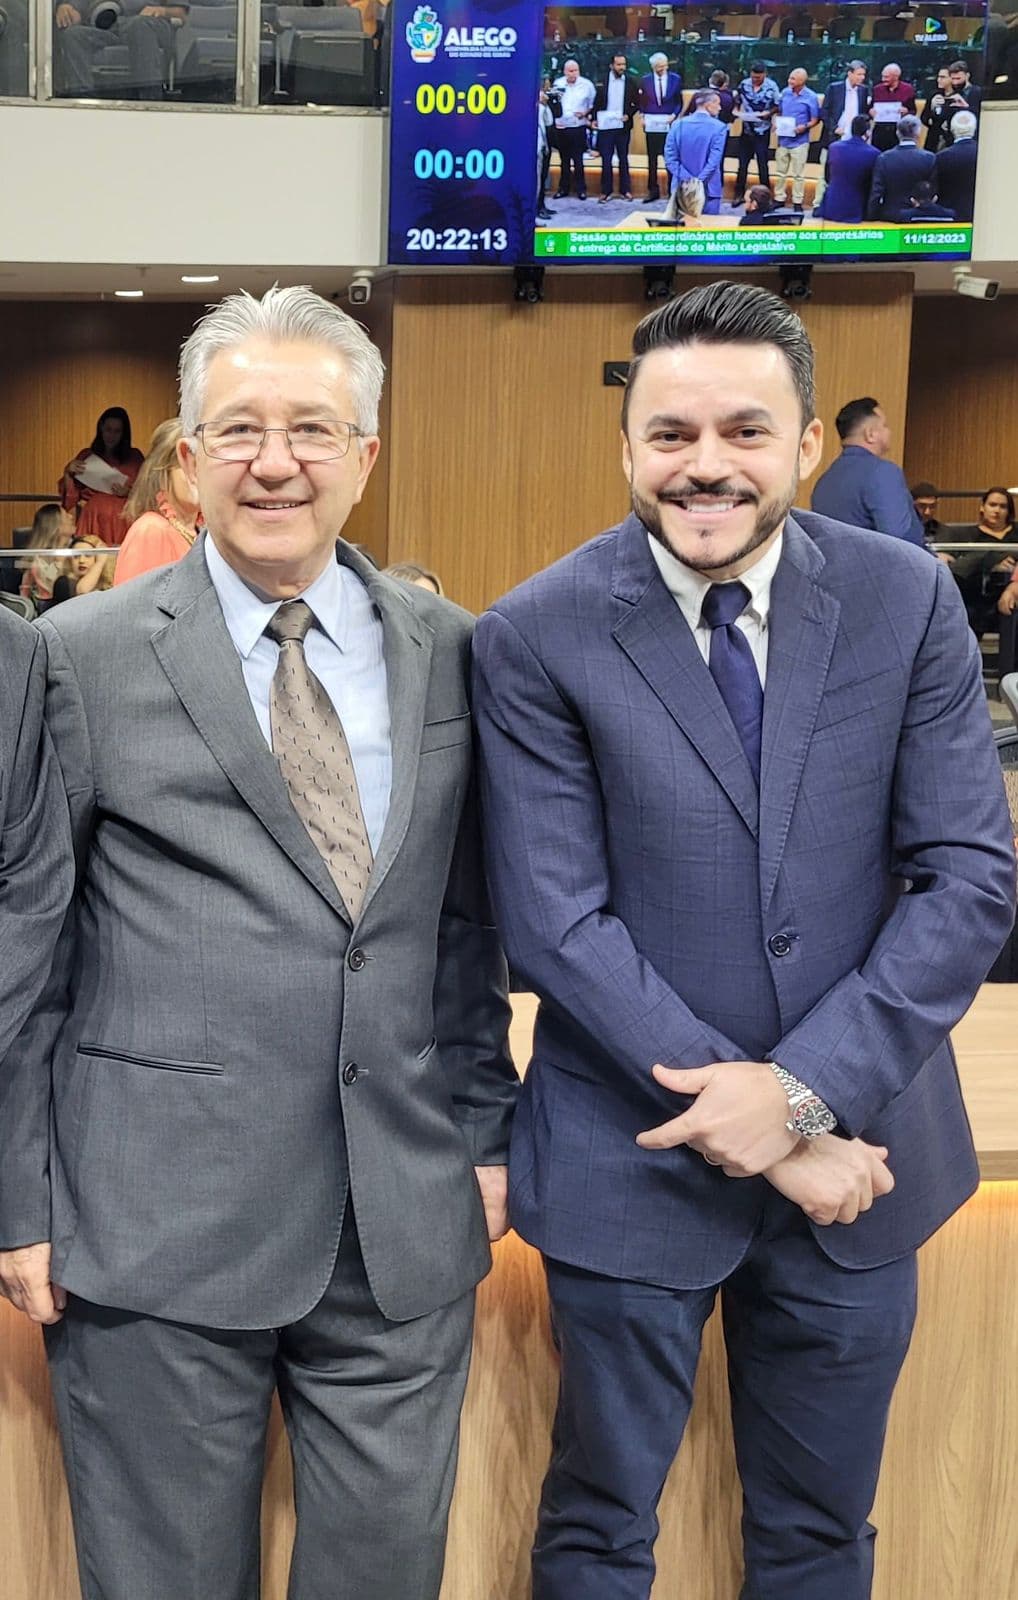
463	155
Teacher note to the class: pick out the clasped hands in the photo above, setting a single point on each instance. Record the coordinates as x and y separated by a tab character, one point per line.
739	1122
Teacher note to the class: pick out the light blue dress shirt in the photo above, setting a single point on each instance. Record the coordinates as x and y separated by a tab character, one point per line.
345	654
805	108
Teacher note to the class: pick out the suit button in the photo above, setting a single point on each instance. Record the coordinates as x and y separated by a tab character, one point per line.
351	1072
356	960
779	944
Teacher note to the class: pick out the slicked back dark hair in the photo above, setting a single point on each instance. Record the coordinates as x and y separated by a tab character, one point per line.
855	413
727	313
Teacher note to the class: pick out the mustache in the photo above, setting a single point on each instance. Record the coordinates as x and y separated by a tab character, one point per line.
694	489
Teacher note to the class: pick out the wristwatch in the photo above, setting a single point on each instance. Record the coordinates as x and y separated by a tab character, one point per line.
809	1116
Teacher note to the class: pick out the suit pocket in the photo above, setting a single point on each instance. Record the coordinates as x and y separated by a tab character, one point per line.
103	1052
441	735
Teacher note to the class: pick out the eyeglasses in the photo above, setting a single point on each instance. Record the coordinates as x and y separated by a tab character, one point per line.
307	441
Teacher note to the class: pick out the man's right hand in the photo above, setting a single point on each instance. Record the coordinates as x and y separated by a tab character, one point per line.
832	1179
1008	601
67	16
25	1281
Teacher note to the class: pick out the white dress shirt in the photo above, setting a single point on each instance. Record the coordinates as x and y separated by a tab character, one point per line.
577	98
688	588
851	110
616	97
345	654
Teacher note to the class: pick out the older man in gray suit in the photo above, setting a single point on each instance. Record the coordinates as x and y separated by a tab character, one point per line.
36	875
280	1081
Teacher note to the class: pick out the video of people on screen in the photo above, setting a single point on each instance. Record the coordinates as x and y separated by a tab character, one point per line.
736	115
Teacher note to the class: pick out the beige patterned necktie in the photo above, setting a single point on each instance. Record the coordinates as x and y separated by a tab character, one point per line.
314	758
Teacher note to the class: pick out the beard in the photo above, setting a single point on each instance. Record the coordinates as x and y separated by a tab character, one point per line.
770	514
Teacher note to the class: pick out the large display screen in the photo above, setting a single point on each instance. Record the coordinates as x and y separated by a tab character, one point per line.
698	132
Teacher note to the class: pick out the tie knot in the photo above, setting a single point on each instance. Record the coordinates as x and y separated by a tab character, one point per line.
722	603
294	620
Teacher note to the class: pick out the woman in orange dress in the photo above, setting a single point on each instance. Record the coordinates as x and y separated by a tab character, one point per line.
162	509
101	510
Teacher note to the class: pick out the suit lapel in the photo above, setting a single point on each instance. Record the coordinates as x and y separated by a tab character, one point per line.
802	630
408	647
201	662
654	635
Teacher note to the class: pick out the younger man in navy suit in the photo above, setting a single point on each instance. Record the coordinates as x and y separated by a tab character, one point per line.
747	840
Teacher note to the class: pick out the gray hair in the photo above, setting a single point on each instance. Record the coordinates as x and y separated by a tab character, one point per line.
659	55
853	66
963	125
909	128
705	97
891	66
281	314
570	61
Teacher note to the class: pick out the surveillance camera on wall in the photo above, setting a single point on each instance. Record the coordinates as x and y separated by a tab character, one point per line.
359	292
975	288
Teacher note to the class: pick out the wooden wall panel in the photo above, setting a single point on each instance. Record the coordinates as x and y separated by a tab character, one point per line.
505	443
64	362
963	394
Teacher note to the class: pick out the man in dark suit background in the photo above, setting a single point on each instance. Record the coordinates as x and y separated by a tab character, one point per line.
713	758
36	868
923	206
847	98
862	487
956	168
897	172
273	1044
618	95
660	96
965	96
850	164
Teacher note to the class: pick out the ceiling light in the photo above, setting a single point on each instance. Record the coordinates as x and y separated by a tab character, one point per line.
200	277
129	294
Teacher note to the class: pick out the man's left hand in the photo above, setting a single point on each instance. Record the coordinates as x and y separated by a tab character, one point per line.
493	1183
738	1121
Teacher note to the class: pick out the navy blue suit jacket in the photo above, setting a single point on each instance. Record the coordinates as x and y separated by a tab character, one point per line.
866	492
834	105
695	148
850	164
894	179
671	103
956	178
665	912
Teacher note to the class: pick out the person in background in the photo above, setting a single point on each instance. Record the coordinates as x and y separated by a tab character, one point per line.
576	94
149	34
694	151
618	94
14	48
981	578
36	859
862	487
52	529
924	206
801	104
926	502
891	90
102	511
847	98
84	574
936	111
162	511
850	164
726	96
956	168
548	107
758	97
897	172
759	205
964	96
420	577
660	96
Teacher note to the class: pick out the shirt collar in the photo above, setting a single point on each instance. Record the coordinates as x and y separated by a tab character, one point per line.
688	587
247	615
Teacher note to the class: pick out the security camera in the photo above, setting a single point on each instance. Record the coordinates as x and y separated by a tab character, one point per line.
975	288
359	292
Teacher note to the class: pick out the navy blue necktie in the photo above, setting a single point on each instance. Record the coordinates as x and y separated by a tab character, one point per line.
732	666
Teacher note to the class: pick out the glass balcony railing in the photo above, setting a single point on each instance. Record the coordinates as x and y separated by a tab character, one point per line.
219	52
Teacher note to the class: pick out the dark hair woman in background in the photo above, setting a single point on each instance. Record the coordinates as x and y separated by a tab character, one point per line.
100	510
981	579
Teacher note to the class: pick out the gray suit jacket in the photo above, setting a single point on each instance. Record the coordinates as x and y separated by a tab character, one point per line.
208	1123
36	876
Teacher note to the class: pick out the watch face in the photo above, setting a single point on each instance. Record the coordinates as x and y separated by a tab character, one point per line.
813	1118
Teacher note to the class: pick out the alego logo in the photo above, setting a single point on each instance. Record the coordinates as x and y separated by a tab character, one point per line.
424	34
